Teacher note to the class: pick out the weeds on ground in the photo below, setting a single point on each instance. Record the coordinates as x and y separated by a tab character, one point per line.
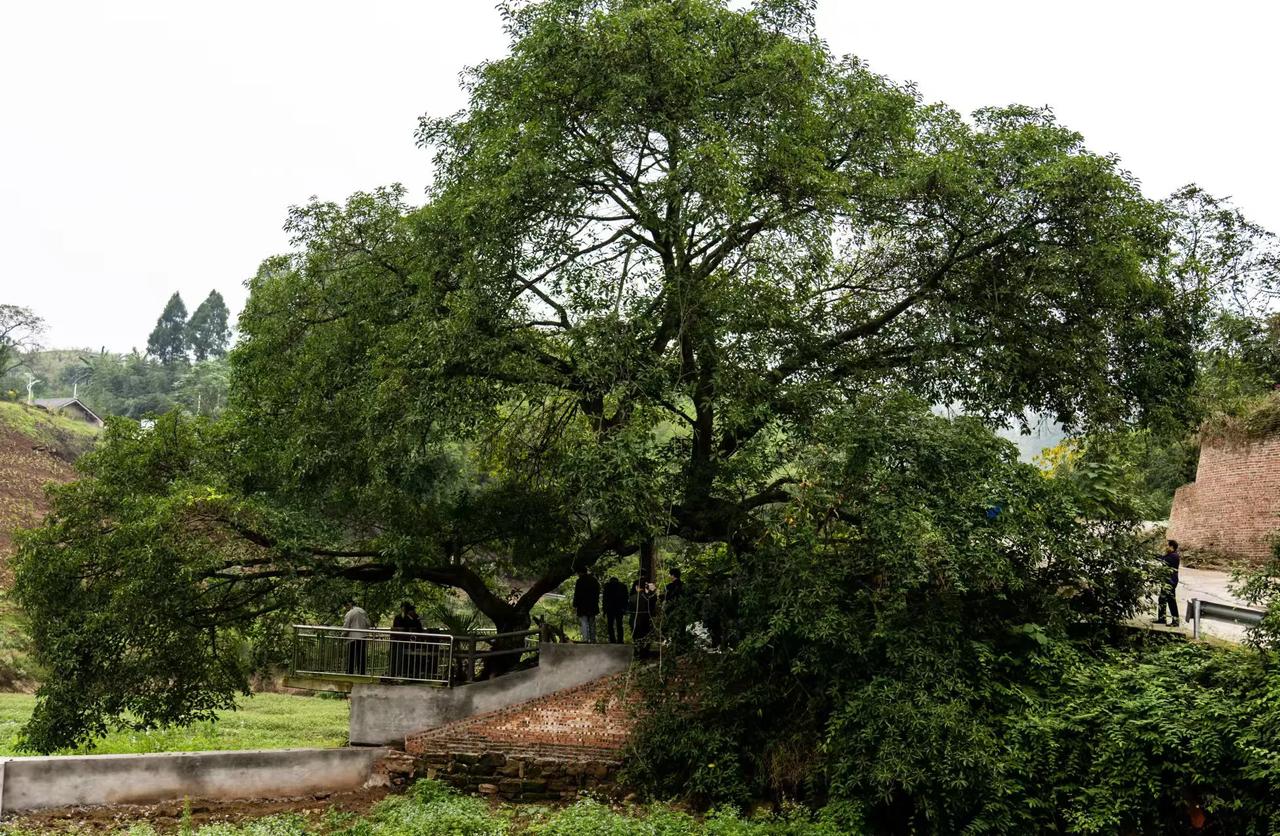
432	809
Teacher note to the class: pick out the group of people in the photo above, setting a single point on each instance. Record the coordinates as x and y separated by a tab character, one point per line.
638	606
357	624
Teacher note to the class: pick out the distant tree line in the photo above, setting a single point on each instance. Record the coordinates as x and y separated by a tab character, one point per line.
206	335
184	365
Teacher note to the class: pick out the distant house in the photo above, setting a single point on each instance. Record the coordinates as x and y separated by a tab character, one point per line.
71	408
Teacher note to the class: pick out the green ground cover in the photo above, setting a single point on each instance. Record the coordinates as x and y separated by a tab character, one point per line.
430	809
264	721
42	426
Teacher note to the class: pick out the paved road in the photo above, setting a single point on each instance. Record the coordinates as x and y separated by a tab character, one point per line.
1207	585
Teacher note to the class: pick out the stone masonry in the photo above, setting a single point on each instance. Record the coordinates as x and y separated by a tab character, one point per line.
1232	509
553	747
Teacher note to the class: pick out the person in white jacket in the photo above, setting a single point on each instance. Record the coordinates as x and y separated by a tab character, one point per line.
354	622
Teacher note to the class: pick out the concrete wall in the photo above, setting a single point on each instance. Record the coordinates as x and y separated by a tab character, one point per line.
385	714
56	781
1233	507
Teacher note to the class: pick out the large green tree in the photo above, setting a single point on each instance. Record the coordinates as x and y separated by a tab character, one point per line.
168	340
667	241
209	331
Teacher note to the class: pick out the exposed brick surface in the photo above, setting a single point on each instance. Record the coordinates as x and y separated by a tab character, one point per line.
1233	507
551	747
594	716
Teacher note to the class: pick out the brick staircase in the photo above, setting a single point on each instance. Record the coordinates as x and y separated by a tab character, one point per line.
550	747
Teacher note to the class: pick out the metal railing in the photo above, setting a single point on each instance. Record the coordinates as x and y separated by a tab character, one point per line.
480	655
441	658
372	654
1198	609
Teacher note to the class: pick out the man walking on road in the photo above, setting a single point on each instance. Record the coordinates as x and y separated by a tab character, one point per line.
586	603
1169	588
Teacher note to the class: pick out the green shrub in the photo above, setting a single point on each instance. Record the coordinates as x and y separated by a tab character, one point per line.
902	601
431	809
922	667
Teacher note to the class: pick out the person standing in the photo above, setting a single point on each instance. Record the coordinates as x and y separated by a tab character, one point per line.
406	621
615	608
586	603
355	622
674	589
642	606
1172	561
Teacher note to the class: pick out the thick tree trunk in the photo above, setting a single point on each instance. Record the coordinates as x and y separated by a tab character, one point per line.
647	568
518	621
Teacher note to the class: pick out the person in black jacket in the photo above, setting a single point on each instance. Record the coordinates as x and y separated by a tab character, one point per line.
586	603
1172	560
615	608
406	621
675	588
642	605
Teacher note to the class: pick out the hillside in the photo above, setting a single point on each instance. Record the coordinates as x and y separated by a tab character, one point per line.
35	448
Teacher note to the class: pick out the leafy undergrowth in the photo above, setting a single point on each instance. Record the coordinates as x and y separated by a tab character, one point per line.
18	670
264	721
431	809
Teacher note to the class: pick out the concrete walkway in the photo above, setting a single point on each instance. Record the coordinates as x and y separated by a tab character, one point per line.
1207	585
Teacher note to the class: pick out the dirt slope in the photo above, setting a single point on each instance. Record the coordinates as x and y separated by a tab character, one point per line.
35	448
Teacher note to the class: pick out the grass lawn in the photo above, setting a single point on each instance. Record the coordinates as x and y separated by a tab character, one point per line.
264	721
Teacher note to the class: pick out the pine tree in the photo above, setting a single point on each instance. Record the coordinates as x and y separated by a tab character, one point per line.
208	332
168	340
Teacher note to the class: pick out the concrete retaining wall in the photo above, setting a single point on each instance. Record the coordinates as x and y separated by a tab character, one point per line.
517	778
56	781
385	714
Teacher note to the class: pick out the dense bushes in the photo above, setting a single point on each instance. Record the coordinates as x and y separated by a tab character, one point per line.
1059	739
927	641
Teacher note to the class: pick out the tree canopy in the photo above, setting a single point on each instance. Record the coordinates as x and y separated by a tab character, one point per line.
209	331
20	332
668	245
168	340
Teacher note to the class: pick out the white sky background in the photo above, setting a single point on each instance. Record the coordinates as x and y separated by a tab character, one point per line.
153	146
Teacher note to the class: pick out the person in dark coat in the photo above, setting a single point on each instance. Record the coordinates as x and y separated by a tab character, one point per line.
615	608
641	608
675	588
1172	559
586	603
406	621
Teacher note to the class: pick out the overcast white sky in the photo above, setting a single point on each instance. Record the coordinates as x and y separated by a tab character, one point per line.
148	146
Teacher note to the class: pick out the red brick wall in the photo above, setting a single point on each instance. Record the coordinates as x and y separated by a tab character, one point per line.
593	717
553	747
1233	507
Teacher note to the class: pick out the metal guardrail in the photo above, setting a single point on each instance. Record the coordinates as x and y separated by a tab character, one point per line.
343	653
372	654
1198	609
